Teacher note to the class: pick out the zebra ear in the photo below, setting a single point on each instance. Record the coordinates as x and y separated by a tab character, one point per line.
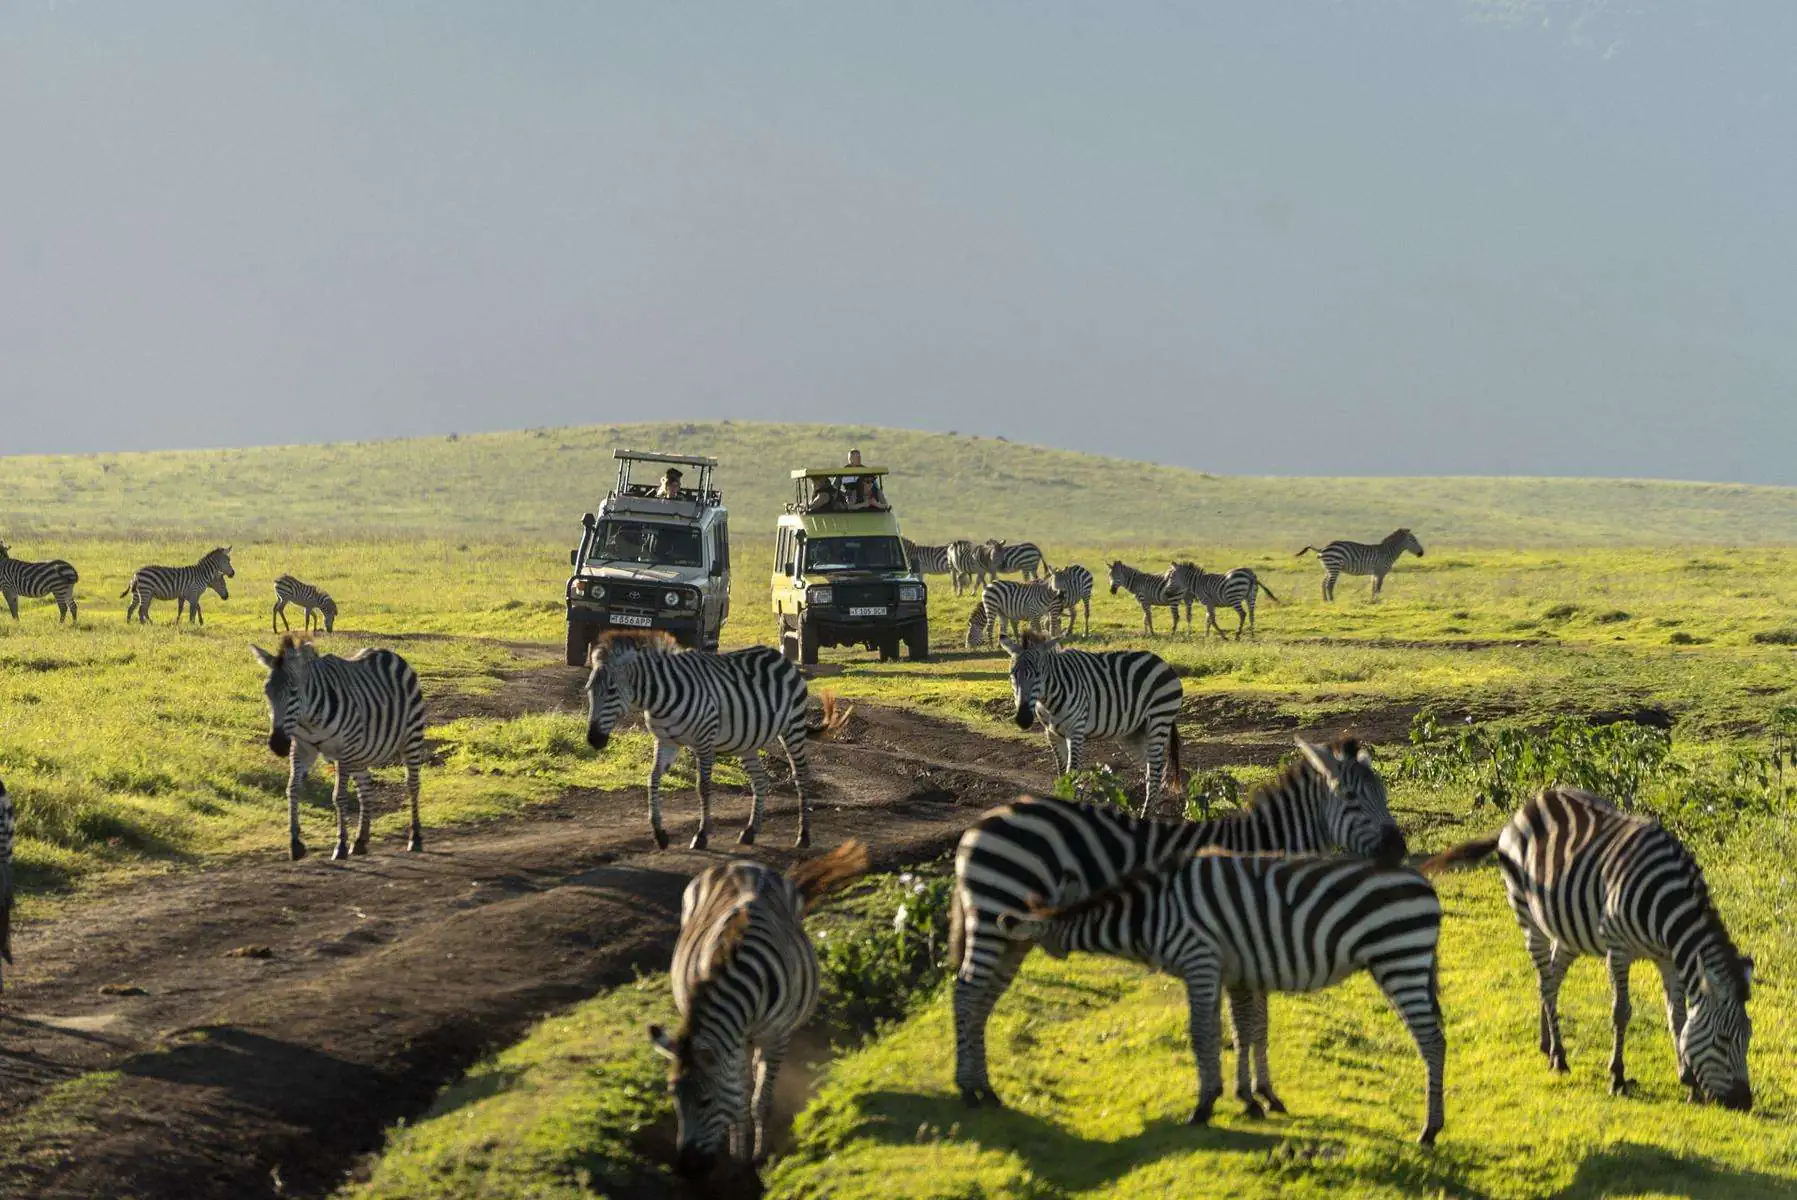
1747	967
1012	646
263	657
658	1037
1321	761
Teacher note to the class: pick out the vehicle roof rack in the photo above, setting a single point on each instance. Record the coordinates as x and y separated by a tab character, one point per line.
833	472
684	460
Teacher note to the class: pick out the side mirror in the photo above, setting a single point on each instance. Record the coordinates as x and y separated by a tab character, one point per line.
573	558
587	519
717	568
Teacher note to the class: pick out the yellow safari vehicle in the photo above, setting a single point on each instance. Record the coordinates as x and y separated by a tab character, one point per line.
841	575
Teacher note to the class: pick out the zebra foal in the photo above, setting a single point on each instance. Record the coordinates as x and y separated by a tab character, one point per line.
736	703
183	585
1074	583
1358	558
289	590
745	980
360	712
1054	851
1247	925
1236	590
1150	591
35	580
6	836
1005	604
967	564
1586	879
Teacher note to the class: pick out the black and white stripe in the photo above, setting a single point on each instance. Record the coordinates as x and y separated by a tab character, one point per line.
360	712
1586	879
745	980
1236	590
1004	558
6	839
928	560
289	590
1058	851
1247	925
736	703
967	564
34	580
1358	558
1008	605
1150	591
183	585
1074	583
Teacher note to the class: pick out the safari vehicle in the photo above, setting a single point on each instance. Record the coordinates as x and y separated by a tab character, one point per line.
649	562
842	578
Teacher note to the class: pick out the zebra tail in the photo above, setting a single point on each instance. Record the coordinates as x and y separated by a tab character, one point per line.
1175	775
834	722
1269	591
124	593
818	877
1307	550
1464	855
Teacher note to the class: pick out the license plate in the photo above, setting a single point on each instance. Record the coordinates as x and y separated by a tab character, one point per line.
632	619
874	610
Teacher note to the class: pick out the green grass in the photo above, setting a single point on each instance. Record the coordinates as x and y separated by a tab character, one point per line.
535	483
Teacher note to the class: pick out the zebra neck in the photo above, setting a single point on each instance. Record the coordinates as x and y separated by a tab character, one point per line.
1704	955
1282	819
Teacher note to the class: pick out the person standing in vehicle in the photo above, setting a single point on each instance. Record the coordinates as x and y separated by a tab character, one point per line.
670	485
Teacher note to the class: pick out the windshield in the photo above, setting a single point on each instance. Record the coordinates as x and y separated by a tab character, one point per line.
854	554
648	543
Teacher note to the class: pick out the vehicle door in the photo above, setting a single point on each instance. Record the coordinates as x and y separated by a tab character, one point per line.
721	568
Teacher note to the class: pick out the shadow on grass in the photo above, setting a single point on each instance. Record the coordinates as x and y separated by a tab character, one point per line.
1629	1167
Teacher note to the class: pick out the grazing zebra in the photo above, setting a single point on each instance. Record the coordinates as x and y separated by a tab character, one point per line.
359	712
927	560
1150	591
1001	558
736	703
1074	582
1236	590
1252	924
6	831
1333	799
1358	558
183	585
34	580
1005	604
745	980
289	590
1585	879
967	565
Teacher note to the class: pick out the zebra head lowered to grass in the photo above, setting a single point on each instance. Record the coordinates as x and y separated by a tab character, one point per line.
1331	798
33	580
289	590
1247	925
1358	558
1586	879
360	712
736	703
183	585
6	838
1005	604
745	979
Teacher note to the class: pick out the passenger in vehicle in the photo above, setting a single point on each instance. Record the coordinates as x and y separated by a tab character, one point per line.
825	496
670	485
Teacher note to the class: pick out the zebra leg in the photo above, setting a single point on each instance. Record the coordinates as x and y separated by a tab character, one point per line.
760	783
664	758
995	959
1378	585
1202	994
1058	746
705	761
339	794
364	803
1328	585
415	840
768	1058
1620	1011
1241	619
1241	1021
1550	972
277	615
299	764
797	757
12	604
1154	752
1674	988
1088	603
1419	1004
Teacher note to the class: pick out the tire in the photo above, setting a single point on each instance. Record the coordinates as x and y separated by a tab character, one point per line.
917	642
807	643
579	641
889	649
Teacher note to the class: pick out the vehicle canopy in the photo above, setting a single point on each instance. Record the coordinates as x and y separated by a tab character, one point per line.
637	491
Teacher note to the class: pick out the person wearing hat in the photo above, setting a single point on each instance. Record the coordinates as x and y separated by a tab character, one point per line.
670	485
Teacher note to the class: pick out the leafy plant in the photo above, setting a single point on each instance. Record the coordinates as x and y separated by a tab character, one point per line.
889	945
1209	791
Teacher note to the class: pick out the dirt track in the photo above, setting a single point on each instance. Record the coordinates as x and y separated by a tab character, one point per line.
268	1020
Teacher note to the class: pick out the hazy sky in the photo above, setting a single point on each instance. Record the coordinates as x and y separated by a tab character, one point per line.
1287	236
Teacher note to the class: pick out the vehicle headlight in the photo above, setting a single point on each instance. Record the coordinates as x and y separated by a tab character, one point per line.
595	591
672	599
910	595
820	595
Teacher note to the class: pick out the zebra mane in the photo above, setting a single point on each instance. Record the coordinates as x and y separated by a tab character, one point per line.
736	927
650	641
298	643
1345	747
1031	640
1151	873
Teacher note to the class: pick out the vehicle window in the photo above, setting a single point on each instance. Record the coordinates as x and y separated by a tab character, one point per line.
647	542
781	555
854	554
724	543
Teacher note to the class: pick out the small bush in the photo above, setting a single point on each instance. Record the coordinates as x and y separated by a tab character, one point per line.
1561	612
890	947
1679	637
1775	637
1613	617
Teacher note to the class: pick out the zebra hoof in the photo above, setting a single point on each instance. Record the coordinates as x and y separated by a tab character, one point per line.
1557	1062
1622	1087
699	840
1274	1103
1253	1111
746	838
980	1097
803	841
1427	1137
661	839
296	850
1200	1115
341	852
359	847
415	844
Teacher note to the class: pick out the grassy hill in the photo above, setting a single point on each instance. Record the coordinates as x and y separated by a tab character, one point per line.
535	484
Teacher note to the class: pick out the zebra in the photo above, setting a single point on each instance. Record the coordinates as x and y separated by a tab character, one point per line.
1074	583
359	712
1333	798
745	980
1001	557
1236	590
289	590
1252	924
35	580
1150	591
1005	604
927	560
184	585
1358	558
6	832
736	703
1586	879
967	565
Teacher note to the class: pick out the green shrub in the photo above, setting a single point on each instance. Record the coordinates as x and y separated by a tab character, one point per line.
1561	612
888	945
1786	636
1614	617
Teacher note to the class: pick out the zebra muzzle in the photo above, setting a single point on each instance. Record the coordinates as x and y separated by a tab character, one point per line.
279	744
597	737
1026	715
